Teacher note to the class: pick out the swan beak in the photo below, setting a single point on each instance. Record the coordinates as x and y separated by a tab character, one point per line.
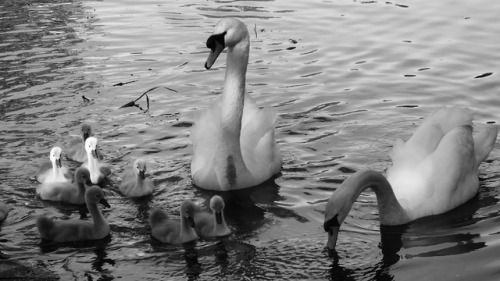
216	45
58	163
104	203
218	217
142	174
190	221
333	233
86	135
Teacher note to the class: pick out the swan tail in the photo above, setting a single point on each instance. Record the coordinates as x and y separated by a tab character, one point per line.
44	225
485	137
448	118
157	217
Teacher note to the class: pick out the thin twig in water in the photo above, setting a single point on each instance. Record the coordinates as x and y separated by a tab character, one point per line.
85	99
255	30
124	83
133	103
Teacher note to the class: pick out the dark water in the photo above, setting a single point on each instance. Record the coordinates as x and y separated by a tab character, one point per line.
347	78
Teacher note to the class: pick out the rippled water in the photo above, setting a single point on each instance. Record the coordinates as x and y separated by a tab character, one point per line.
347	78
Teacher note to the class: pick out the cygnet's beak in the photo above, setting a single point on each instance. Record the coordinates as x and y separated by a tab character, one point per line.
218	217
190	221
86	135
142	174
58	162
94	153
105	203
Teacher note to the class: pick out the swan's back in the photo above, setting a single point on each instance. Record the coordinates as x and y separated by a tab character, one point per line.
437	168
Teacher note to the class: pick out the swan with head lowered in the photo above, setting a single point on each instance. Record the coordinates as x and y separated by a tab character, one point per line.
433	172
98	170
78	230
54	171
233	141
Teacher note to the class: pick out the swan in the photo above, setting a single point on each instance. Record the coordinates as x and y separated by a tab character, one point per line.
76	150
233	141
67	192
136	184
98	170
212	225
78	230
435	171
4	211
169	231
53	171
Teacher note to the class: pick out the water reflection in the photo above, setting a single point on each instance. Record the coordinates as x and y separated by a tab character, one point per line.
193	267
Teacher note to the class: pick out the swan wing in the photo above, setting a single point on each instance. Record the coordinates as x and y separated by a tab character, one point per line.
258	145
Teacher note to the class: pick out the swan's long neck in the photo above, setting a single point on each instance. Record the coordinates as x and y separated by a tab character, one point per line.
220	228
139	183
390	210
187	232
81	189
233	95
56	171
100	223
93	168
233	100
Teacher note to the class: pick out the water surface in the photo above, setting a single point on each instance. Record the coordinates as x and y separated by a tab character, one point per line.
347	78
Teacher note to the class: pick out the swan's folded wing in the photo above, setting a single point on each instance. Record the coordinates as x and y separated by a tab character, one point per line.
205	138
429	134
258	144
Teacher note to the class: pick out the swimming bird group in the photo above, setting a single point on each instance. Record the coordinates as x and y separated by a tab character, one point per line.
234	147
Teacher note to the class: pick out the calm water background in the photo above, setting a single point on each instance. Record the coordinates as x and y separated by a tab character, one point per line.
347	77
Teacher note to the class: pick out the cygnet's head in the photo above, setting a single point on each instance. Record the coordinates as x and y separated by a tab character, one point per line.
86	131
217	205
188	209
82	175
94	195
91	147
55	156
140	168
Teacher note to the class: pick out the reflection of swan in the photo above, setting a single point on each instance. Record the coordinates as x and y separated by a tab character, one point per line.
212	225
68	192
135	184
233	142
169	231
78	230
98	170
53	171
433	172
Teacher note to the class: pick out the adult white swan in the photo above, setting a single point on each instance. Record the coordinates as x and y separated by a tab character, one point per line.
435	171
233	141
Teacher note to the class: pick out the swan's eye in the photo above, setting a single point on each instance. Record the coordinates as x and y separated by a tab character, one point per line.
219	38
333	222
